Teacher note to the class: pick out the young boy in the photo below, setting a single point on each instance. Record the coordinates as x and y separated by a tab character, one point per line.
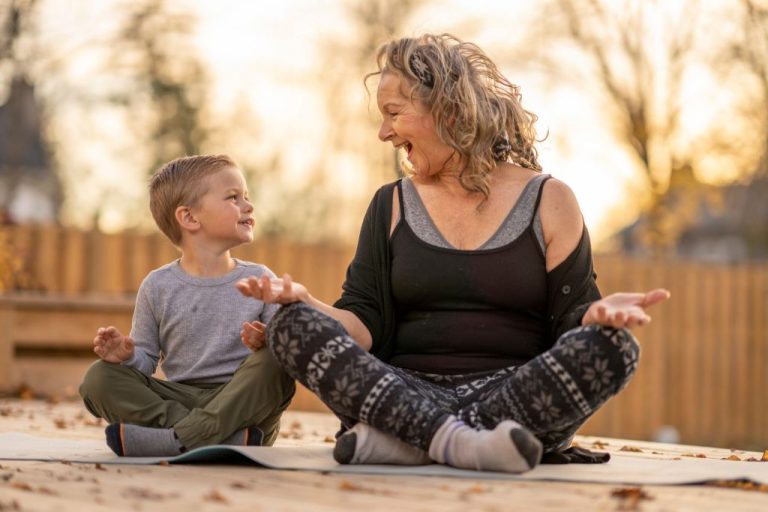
189	316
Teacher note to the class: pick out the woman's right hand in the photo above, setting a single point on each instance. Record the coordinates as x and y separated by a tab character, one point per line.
273	291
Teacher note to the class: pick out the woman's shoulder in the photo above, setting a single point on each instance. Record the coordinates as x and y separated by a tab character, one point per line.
558	199
561	221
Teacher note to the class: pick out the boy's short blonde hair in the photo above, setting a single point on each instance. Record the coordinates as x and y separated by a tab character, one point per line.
180	183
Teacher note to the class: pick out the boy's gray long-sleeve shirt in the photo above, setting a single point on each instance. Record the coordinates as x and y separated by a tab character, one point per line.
194	323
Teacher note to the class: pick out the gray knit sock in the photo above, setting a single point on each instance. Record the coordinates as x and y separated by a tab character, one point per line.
363	444
509	447
251	436
135	441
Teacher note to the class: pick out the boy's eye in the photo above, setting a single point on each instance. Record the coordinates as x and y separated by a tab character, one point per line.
233	196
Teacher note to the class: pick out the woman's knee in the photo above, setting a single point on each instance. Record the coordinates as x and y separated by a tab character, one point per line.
605	349
296	329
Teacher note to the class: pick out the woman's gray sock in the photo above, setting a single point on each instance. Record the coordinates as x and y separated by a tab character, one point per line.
135	441
363	444
509	447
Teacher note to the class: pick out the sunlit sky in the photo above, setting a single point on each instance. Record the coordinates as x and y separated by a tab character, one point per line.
266	53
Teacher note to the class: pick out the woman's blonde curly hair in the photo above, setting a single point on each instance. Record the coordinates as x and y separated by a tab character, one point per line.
477	111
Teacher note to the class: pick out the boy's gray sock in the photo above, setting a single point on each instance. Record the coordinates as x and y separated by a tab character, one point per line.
251	436
135	441
363	444
509	447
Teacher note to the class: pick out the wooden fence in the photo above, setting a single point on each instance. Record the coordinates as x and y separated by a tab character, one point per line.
704	366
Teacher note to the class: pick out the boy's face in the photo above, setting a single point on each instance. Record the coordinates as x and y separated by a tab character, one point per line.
224	211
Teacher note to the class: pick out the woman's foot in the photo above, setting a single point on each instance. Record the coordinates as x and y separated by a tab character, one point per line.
363	444
509	447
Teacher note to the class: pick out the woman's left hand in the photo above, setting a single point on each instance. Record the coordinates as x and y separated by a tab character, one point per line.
621	310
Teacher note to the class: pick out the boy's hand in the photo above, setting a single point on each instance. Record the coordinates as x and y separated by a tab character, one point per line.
111	346
253	335
271	291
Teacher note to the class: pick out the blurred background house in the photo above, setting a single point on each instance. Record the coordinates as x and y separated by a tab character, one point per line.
654	113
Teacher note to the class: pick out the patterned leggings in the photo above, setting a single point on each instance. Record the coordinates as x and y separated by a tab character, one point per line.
552	395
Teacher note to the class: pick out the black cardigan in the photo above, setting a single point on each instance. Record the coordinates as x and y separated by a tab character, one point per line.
367	290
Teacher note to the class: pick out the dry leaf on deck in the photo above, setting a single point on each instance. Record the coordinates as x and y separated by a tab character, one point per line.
627	448
216	496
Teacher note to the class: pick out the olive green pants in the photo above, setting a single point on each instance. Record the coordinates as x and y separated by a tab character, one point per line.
201	414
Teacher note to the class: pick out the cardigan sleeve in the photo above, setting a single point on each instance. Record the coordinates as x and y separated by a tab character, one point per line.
366	289
571	289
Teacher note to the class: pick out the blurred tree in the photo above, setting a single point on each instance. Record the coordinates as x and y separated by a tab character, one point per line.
351	162
165	86
29	188
638	55
749	52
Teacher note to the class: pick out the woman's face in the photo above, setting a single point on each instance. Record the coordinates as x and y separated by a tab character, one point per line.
409	126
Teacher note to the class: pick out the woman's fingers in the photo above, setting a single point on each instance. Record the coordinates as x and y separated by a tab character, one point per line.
654	297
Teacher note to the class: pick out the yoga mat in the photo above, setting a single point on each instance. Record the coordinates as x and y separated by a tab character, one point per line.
624	469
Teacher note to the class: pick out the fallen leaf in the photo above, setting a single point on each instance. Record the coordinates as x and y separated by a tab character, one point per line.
216	496
45	490
765	456
143	493
164	463
752	459
599	444
100	467
732	457
22	486
746	485
239	485
296	425
346	485
627	448
630	497
60	423
697	455
329	439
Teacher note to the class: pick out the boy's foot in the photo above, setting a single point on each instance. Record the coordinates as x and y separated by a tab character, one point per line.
135	441
251	436
509	447
363	444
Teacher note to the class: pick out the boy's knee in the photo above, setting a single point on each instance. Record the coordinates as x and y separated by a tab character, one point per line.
96	379
261	367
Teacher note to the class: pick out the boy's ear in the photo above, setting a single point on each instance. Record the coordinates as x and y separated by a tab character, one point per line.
186	218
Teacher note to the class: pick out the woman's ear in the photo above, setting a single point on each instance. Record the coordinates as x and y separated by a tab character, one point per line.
186	218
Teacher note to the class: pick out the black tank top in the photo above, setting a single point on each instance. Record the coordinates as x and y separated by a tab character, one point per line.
462	311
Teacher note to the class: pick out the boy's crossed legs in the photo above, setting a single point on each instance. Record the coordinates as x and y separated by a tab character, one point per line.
152	417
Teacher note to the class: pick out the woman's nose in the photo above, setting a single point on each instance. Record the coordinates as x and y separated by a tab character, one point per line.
385	131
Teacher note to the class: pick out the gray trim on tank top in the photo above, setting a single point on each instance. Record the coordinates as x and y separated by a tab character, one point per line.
515	223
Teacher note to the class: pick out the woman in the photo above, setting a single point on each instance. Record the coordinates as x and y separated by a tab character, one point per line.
470	330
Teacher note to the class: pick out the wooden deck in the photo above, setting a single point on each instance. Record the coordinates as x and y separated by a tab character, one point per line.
41	486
